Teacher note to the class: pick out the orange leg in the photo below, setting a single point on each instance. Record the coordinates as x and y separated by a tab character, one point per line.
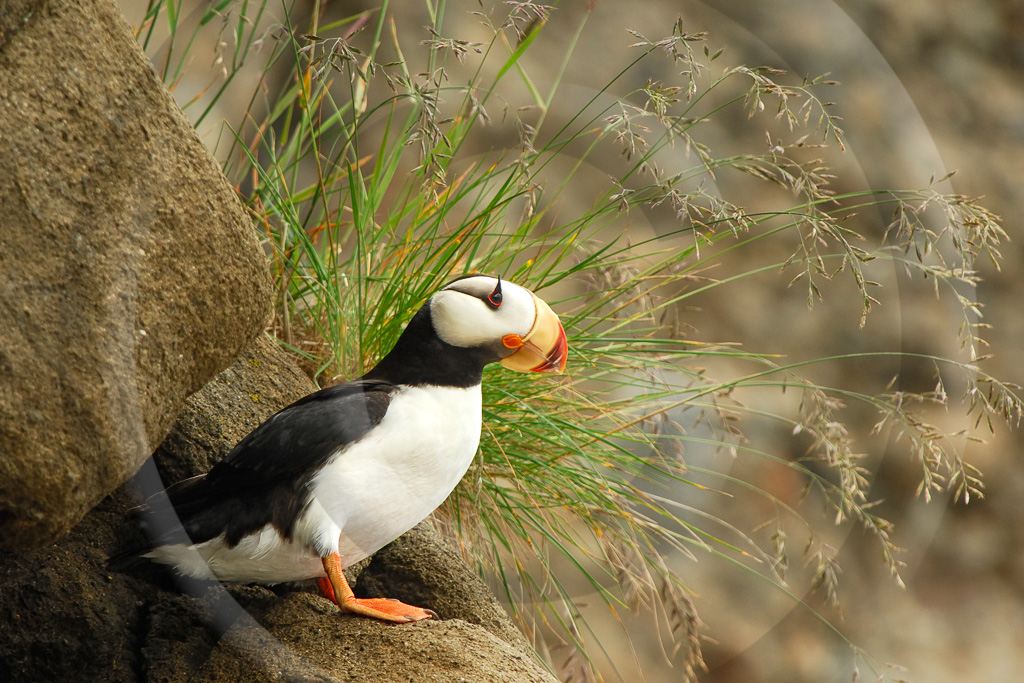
335	587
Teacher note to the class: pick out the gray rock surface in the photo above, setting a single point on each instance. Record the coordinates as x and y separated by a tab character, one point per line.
131	274
300	637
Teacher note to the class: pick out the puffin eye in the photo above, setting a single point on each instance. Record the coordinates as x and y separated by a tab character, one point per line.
494	298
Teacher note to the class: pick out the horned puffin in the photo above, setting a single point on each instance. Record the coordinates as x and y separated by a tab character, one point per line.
340	473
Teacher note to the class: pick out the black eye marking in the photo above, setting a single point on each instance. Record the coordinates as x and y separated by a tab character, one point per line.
494	298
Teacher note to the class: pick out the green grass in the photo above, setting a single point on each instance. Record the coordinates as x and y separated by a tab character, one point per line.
370	167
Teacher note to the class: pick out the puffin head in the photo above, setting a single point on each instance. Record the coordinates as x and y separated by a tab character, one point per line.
486	312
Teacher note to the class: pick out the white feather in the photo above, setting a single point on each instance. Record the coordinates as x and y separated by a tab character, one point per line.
401	472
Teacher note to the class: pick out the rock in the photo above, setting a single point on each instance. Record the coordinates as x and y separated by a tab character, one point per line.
64	615
67	616
301	637
263	380
423	569
131	273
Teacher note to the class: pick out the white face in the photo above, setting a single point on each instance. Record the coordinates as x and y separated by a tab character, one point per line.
463	316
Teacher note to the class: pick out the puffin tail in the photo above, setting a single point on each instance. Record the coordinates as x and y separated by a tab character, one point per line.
129	556
131	561
153	523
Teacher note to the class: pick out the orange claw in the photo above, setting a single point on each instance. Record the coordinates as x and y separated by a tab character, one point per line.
335	584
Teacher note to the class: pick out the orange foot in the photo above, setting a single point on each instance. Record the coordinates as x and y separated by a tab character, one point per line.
334	585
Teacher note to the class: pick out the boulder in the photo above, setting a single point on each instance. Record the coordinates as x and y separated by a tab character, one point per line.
260	382
301	637
131	272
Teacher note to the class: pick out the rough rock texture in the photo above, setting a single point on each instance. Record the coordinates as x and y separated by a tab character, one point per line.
65	615
263	380
300	637
131	274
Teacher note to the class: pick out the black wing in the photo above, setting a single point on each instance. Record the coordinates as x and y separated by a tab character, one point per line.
264	479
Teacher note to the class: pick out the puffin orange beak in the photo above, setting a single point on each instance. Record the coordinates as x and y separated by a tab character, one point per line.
543	349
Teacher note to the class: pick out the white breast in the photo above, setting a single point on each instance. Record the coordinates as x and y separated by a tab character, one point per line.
383	485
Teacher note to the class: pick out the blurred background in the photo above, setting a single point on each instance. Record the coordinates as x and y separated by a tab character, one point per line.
926	87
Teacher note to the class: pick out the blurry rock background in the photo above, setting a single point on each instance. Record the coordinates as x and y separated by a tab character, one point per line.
927	86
